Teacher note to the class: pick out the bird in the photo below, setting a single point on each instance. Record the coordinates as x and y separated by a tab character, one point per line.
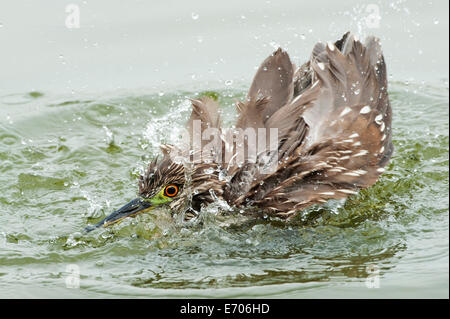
332	118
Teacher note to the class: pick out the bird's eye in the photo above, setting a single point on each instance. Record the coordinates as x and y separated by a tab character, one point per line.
171	190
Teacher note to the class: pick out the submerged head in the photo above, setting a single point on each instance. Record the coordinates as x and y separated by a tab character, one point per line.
161	185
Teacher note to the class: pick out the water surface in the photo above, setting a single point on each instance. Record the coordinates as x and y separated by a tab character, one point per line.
82	112
69	162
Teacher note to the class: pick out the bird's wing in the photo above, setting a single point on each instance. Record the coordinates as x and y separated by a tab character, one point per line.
272	87
274	80
250	113
203	145
206	111
347	118
303	75
355	76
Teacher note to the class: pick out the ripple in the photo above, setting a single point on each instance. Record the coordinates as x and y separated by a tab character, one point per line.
73	174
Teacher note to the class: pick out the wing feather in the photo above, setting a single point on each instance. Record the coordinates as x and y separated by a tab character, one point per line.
344	140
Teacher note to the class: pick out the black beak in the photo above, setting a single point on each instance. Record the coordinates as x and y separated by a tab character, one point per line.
131	209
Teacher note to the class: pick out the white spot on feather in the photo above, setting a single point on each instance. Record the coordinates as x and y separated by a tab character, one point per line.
297	98
378	119
361	153
327	193
382	127
380	170
330	46
320	164
314	84
351	174
347	191
357	172
354	135
321	66
366	109
345	111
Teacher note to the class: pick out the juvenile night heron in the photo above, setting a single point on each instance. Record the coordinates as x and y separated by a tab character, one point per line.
333	120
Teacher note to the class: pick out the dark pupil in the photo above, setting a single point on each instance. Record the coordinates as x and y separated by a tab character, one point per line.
171	190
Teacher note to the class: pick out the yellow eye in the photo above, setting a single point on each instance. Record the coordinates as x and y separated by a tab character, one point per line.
171	190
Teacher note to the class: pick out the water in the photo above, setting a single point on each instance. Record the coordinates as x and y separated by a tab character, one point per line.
72	145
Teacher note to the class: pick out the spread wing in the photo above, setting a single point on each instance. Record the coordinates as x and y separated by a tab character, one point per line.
273	79
334	135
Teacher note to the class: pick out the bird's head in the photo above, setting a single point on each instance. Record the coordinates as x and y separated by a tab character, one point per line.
162	184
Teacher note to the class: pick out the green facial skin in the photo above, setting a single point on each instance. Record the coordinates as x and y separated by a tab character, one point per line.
158	199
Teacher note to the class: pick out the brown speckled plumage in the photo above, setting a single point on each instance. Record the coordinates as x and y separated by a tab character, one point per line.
334	134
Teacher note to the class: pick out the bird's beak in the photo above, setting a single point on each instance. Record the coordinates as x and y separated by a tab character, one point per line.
136	206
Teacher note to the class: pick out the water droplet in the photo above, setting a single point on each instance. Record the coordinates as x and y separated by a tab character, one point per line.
274	45
194	16
436	21
199	39
61	58
228	82
223	175
109	135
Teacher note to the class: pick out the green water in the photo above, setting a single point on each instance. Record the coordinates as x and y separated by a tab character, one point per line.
67	161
